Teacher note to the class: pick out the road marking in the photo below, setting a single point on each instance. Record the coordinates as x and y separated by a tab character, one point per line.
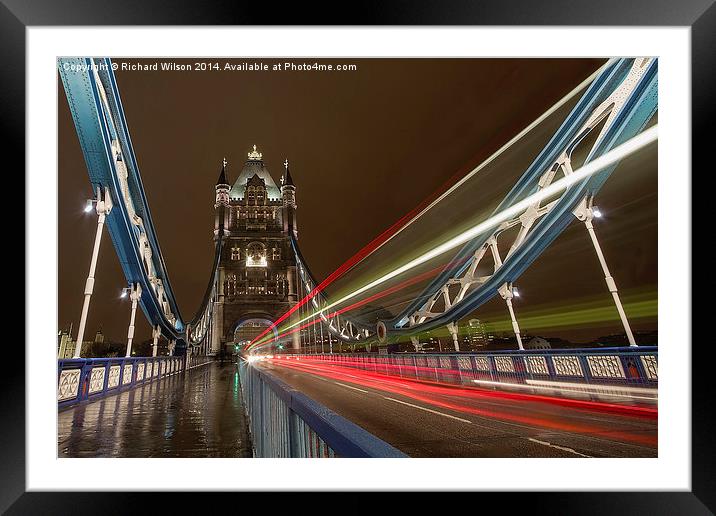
351	387
428	410
563	448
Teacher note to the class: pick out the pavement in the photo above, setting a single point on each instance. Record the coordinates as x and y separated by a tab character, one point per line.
199	413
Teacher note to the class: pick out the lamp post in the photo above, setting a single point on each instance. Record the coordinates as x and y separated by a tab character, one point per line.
103	205
135	292
453	329
508	291
586	212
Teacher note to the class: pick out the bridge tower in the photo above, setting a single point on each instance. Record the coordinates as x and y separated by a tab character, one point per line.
257	268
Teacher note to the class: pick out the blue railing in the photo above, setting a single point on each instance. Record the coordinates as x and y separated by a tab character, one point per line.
286	423
629	374
81	379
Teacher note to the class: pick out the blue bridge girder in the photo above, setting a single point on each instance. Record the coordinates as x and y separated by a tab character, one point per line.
630	119
98	115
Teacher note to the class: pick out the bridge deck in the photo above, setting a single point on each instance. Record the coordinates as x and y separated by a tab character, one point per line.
196	414
425	421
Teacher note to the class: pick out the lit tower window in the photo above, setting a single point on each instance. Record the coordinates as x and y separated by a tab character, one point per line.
256	255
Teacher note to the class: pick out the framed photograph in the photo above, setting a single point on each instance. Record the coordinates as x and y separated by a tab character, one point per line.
444	239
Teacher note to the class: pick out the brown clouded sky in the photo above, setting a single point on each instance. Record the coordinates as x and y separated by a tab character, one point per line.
365	146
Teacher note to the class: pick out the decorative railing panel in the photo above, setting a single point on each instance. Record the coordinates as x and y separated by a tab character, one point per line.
81	379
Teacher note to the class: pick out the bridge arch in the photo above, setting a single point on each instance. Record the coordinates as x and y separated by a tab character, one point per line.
249	326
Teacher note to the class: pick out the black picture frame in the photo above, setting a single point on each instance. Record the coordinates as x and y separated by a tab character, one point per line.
700	15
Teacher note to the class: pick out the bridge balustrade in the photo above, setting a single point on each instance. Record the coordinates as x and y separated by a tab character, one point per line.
81	379
286	423
604	373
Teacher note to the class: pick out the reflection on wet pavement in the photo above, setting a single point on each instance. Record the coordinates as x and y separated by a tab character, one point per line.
196	414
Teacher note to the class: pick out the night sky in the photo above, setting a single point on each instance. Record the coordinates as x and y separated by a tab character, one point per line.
365	147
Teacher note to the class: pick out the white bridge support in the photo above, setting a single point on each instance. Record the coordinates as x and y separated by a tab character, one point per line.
603	119
103	206
452	328
507	293
134	295
156	332
585	212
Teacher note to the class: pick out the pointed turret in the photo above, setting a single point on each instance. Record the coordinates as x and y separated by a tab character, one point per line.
287	180
288	194
222	176
222	202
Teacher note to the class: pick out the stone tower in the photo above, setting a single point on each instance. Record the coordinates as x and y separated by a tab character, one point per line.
257	269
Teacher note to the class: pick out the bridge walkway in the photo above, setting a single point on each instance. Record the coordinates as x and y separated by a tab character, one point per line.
199	413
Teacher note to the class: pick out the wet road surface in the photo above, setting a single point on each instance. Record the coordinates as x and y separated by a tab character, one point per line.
428	421
199	413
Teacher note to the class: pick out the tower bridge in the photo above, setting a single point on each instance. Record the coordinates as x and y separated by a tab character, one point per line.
257	280
301	395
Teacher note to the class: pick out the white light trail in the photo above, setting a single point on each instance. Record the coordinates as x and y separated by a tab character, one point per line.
494	156
618	153
643	393
577	388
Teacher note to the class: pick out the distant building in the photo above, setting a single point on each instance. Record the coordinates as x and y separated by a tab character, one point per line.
431	343
537	343
99	347
642	338
65	344
477	336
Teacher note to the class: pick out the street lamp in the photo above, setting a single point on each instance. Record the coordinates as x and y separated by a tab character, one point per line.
508	292
103	202
135	292
585	212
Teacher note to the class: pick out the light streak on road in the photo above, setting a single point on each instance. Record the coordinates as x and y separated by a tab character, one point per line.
392	372
440	397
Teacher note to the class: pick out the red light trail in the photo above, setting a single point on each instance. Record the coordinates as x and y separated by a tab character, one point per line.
357	304
432	394
366	251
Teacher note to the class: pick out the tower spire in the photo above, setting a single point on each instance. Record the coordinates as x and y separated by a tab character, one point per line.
222	202
286	180
222	176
